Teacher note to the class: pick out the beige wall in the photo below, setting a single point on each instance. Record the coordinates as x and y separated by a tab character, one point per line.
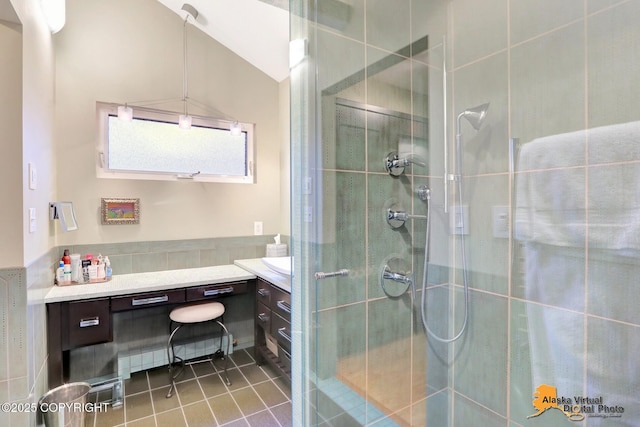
11	141
121	51
27	134
285	158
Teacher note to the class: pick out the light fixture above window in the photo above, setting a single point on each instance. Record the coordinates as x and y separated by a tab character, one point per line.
235	129
185	120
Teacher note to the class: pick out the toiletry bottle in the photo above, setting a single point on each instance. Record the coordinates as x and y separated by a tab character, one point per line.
107	268
93	271
66	259
60	273
76	268
101	271
85	263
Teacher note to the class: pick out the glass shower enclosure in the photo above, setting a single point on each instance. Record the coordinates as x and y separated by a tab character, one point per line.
471	168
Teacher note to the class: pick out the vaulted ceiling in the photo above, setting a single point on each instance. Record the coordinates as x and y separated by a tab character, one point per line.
255	30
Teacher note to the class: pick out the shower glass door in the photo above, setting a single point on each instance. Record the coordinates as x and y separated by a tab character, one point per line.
363	351
541	194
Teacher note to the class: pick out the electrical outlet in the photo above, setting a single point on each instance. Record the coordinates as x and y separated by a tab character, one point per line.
257	228
32	220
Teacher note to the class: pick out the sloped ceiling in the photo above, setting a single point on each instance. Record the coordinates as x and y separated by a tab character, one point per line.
7	13
254	30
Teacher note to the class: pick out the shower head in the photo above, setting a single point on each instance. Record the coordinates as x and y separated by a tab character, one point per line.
475	115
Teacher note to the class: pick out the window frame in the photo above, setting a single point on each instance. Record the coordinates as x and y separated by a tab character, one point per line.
104	110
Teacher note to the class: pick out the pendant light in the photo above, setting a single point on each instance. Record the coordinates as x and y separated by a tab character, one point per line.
185	120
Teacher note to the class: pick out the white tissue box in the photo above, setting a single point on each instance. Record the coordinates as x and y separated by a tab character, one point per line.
276	249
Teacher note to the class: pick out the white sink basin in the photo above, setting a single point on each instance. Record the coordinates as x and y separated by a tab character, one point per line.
280	264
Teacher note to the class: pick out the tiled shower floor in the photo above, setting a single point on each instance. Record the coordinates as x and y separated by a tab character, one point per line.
257	397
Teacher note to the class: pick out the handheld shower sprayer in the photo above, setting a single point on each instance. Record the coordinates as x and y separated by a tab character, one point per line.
475	116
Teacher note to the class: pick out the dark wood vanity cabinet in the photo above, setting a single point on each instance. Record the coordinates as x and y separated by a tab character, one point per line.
75	324
86	323
273	327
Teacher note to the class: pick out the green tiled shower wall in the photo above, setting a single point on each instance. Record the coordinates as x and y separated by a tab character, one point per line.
546	68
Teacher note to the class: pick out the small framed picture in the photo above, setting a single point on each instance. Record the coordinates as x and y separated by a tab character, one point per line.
120	211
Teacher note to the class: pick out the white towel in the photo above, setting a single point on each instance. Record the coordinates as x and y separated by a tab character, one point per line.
552	206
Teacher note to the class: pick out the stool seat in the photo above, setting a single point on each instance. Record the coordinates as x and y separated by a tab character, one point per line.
196	313
191	313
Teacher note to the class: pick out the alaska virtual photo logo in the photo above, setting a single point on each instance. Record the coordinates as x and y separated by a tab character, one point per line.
576	408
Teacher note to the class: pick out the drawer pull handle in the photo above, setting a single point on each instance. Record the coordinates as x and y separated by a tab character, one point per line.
263	317
283	333
219	291
285	353
91	321
285	306
151	300
263	292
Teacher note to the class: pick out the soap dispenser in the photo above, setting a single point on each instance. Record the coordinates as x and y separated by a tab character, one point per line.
107	269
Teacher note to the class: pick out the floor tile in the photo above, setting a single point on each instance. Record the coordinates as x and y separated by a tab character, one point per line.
199	415
173	418
189	392
263	419
225	408
212	385
257	397
160	401
269	393
248	401
137	383
138	406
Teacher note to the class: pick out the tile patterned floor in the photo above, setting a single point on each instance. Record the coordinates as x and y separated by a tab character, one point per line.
257	397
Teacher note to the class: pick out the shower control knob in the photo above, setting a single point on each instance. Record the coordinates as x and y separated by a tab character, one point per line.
394	164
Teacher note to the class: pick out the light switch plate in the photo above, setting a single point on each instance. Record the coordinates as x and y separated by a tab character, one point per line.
33	177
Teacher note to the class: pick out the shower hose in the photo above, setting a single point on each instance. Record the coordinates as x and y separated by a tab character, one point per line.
425	273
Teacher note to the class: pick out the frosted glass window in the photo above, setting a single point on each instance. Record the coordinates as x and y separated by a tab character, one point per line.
152	146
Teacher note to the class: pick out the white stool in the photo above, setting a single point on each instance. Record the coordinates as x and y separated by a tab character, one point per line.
190	314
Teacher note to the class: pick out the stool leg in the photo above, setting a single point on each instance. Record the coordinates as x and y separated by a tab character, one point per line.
171	357
226	359
219	353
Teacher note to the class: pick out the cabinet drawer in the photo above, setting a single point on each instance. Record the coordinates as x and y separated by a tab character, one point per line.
216	291
87	322
285	358
151	299
263	292
263	316
281	329
281	302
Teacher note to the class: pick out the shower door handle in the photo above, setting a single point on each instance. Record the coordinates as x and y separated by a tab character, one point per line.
320	275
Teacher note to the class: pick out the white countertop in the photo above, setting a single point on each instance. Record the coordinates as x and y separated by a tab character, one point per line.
257	267
124	284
